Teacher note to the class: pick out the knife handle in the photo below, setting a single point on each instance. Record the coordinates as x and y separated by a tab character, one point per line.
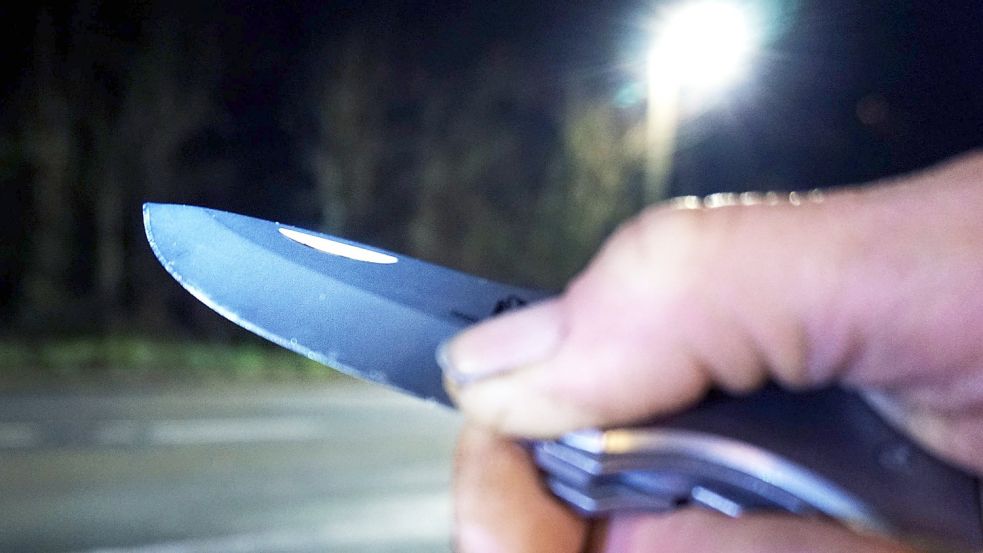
824	454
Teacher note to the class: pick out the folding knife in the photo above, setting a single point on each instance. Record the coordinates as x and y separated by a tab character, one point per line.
380	316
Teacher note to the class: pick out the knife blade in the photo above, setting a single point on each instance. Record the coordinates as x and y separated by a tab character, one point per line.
381	316
360	310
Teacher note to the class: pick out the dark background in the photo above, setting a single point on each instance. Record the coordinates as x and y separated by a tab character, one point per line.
496	137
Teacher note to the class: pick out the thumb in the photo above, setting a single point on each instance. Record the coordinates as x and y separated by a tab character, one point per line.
850	287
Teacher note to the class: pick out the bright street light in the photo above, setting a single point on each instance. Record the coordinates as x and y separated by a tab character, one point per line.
699	47
703	45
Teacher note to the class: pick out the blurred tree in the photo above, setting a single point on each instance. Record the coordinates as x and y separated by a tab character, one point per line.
485	149
596	183
502	180
50	144
102	64
170	100
108	124
351	98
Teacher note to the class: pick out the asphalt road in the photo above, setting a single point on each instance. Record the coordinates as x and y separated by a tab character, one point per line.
345	468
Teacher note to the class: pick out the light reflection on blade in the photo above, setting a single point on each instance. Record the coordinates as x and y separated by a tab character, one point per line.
334	247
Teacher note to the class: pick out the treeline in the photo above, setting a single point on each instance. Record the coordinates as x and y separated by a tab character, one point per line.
507	168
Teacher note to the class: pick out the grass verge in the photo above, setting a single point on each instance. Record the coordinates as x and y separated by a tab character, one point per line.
141	360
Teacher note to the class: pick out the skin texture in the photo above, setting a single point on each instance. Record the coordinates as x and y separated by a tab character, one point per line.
876	289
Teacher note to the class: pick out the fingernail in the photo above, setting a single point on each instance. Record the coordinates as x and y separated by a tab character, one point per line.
502	344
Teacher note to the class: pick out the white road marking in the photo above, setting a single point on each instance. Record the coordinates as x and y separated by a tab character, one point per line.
420	520
214	431
175	432
125	431
14	435
240	430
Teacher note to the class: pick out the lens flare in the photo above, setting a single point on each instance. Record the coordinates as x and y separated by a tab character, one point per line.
702	46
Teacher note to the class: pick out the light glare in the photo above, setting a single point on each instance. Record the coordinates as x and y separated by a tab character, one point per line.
702	46
340	249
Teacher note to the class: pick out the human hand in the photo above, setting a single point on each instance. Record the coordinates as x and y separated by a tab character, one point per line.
874	289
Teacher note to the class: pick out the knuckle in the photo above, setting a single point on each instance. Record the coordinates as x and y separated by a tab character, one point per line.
673	249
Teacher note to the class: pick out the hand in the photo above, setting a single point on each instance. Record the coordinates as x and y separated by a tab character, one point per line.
876	289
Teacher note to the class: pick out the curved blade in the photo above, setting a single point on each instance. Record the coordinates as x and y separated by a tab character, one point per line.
369	313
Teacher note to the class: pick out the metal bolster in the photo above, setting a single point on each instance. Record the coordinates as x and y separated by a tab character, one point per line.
734	455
